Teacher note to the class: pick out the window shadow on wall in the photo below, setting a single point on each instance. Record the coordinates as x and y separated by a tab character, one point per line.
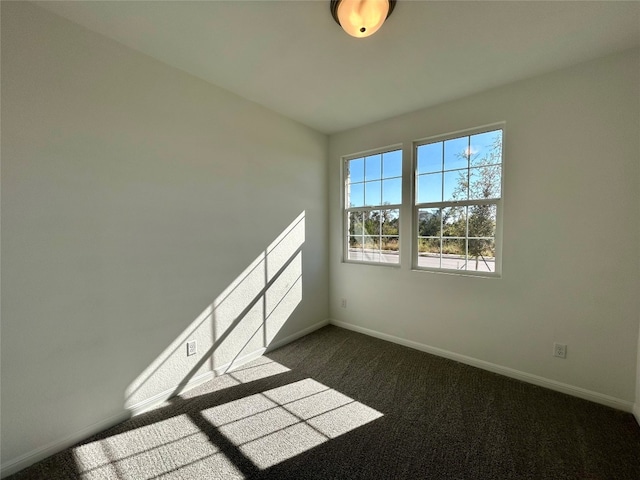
239	325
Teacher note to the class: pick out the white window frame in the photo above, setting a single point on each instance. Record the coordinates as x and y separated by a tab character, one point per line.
498	202
346	209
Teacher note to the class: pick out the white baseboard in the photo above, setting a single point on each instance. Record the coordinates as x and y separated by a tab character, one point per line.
506	371
159	398
283	341
636	411
23	461
238	362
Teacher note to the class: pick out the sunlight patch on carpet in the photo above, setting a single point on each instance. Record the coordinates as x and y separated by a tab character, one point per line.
175	445
252	372
278	424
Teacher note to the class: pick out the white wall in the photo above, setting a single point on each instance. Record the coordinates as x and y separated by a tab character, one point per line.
571	236
133	195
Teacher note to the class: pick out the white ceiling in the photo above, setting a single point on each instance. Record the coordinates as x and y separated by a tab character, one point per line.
291	57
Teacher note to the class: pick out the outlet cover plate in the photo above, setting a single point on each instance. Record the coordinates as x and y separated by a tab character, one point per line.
560	350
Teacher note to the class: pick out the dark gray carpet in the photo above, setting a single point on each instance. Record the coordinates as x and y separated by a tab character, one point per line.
340	405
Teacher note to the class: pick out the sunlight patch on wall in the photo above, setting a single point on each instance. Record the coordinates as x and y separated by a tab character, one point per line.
237	326
260	323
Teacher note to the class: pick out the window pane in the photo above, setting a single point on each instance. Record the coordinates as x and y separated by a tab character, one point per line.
455	185
371	256
372	193
482	255
372	242
371	223
373	167
484	182
482	220
464	169
355	195
430	158
453	254
429	222
486	148
355	242
392	164
429	245
392	191
372	249
389	247
355	223
390	244
454	222
429	188
429	252
373	236
355	170
456	153
355	248
390	222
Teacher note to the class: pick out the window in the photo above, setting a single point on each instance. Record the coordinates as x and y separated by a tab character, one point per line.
458	202
373	196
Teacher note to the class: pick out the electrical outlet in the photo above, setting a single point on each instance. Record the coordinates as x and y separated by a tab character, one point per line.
191	348
560	350
343	303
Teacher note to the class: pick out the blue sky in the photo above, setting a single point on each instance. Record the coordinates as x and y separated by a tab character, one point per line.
377	179
381	175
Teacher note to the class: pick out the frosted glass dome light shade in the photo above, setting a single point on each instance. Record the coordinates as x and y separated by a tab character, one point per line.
361	18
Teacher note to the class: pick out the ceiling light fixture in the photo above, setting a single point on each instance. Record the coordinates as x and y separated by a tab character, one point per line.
361	18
